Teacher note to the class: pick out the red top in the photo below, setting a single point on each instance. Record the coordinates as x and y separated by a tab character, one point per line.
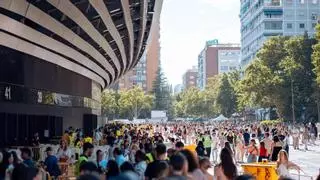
263	152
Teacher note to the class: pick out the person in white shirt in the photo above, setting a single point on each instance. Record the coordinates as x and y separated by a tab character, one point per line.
295	138
214	147
98	136
64	152
239	148
283	165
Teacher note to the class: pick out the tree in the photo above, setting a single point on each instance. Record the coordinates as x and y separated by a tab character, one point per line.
133	101
109	104
179	109
189	103
226	98
316	70
298	70
262	84
280	77
210	107
161	92
316	55
193	102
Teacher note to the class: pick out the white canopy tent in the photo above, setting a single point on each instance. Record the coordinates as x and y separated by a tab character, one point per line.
220	118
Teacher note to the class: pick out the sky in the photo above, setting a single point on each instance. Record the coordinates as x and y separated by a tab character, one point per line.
185	27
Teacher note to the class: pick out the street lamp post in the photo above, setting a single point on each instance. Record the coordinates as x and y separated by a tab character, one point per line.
292	103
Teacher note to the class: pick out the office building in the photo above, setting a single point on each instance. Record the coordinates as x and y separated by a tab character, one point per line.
153	55
215	59
56	56
190	78
261	19
145	72
178	89
135	77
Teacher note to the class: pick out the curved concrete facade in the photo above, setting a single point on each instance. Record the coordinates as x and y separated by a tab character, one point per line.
56	56
105	38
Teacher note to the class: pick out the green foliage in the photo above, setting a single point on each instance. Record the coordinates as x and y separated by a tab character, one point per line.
161	92
109	104
217	98
127	104
262	82
271	122
133	101
316	55
282	70
281	77
226	98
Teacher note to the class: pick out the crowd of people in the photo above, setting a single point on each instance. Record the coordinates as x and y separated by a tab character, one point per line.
168	151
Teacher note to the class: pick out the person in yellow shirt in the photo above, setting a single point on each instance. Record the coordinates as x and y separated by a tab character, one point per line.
88	139
118	133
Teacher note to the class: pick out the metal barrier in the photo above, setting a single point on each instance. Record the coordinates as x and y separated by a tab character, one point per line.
36	151
300	176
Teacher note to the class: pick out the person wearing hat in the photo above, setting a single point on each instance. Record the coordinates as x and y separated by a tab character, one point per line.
51	163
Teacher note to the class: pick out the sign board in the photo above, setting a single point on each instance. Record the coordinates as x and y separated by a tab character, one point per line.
158	114
212	42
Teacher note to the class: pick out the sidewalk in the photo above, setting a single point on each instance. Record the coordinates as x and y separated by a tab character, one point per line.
309	162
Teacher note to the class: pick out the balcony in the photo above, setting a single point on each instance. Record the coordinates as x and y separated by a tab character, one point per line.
273	3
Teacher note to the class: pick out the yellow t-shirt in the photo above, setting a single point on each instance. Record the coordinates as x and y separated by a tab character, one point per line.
88	140
118	133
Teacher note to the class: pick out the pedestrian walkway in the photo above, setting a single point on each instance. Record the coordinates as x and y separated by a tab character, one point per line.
309	161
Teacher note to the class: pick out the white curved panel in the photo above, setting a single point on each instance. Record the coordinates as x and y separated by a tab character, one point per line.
43	19
48	22
102	10
5	3
31	49
143	22
32	35
76	15
128	20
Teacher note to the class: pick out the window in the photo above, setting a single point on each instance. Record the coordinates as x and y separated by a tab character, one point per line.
275	3
288	14
314	1
301	1
289	26
233	67
313	16
301	14
277	25
314	25
224	68
301	25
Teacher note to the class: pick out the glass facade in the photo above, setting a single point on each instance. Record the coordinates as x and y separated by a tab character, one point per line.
201	81
261	19
139	77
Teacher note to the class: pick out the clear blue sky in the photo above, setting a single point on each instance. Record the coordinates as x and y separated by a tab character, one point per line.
185	27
